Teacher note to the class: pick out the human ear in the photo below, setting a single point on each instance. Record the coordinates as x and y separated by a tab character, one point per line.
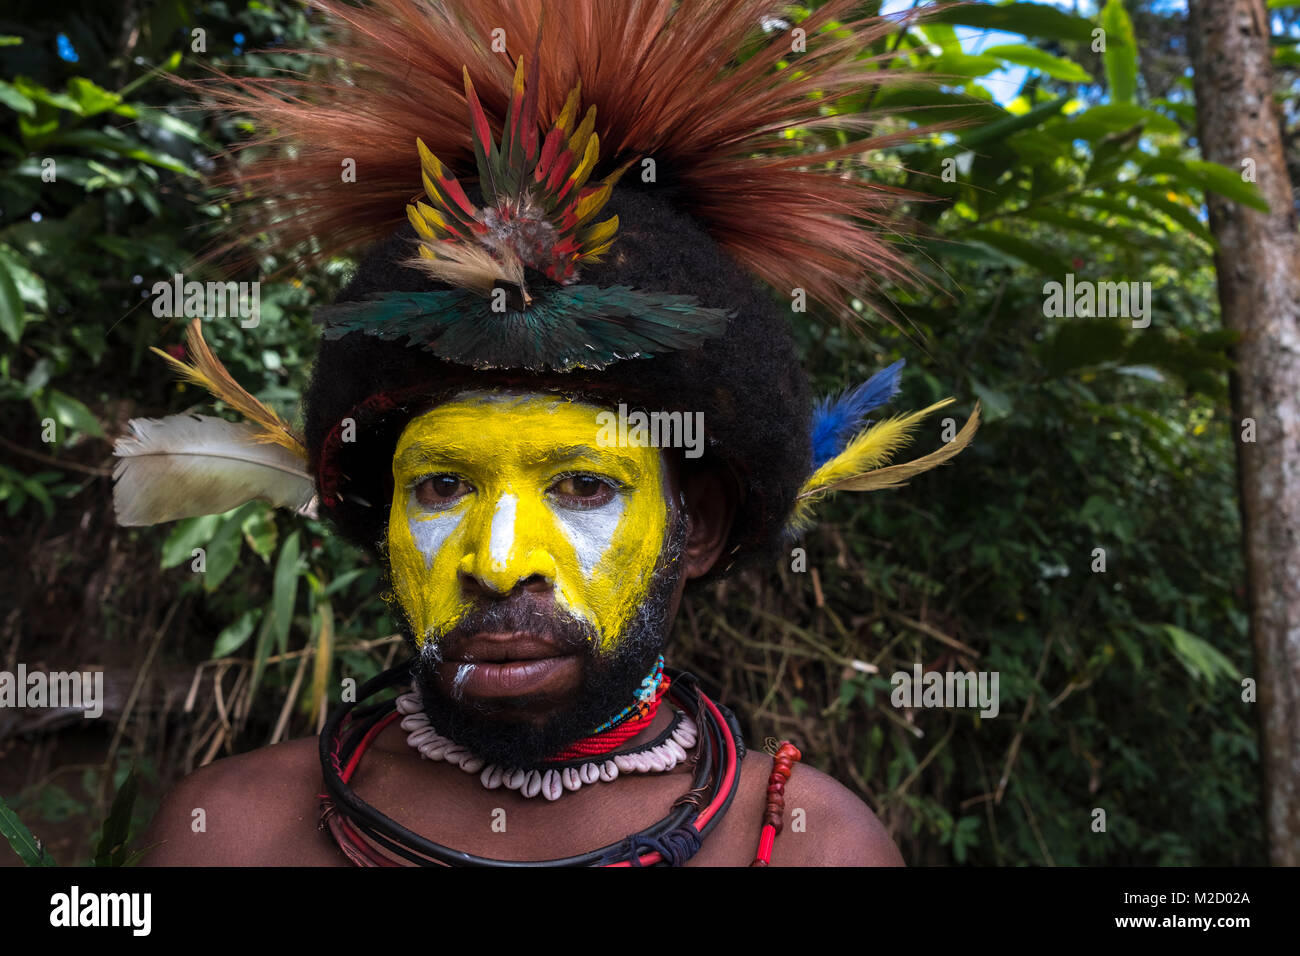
710	510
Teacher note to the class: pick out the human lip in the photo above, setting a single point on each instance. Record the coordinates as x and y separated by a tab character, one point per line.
541	676
495	648
512	665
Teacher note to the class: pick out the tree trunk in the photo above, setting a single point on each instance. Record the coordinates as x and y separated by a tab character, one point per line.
1258	266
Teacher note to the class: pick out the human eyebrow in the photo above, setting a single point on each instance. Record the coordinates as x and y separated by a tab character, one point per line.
623	466
424	454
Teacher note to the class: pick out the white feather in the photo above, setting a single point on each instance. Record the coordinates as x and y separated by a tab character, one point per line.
187	465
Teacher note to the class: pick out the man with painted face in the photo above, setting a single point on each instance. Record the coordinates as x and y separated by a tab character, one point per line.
534	568
454	428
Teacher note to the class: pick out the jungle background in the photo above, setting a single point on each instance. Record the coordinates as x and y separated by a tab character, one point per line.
1120	690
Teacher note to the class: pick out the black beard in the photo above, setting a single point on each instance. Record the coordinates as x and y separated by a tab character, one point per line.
609	681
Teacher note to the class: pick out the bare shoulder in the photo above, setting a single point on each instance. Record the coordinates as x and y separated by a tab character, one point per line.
254	809
827	824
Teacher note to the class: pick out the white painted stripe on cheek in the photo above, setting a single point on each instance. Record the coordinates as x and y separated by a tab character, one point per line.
430	530
503	532
590	532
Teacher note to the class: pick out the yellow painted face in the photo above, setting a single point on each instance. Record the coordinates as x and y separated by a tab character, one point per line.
500	488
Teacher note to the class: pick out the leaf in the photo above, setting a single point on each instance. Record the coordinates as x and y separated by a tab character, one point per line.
286	589
34	90
116	833
27	847
1026	19
343	580
1099	121
996	404
1185	112
1209	177
1119	206
955	63
1034	254
1157	198
1202	659
11	305
976	252
71	413
1003	127
1040	60
90	98
1088	226
944	35
1120	58
223	549
233	636
260	531
31	287
165	121
16	100
1228	183
42	497
188	534
1130	647
324	657
115	142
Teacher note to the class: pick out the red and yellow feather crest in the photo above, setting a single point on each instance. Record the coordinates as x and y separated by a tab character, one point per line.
537	205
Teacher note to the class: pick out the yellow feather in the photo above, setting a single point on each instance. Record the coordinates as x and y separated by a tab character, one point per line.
855	468
869	448
570	110
208	372
602	233
433	218
418	222
578	177
429	164
578	141
591	205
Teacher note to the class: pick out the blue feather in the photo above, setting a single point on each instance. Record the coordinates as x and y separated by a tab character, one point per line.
836	420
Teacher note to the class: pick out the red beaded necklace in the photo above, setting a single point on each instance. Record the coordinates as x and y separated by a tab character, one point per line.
619	734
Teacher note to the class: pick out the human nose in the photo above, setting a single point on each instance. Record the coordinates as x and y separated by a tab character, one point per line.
509	546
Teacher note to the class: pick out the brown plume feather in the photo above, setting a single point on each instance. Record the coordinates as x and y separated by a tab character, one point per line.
664	79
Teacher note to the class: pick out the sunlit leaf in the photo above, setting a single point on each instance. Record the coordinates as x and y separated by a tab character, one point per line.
1120	58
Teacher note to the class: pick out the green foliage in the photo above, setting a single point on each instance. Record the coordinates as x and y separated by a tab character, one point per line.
112	849
20	838
1120	689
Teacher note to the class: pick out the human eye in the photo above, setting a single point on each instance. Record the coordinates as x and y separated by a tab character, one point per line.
584	490
441	491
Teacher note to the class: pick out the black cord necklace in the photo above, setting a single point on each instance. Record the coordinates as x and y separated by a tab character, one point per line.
671	841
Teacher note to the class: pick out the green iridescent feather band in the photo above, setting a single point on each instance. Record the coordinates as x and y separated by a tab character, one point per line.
563	327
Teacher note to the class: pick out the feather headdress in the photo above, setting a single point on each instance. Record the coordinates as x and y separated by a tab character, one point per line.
485	95
665	84
536	217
